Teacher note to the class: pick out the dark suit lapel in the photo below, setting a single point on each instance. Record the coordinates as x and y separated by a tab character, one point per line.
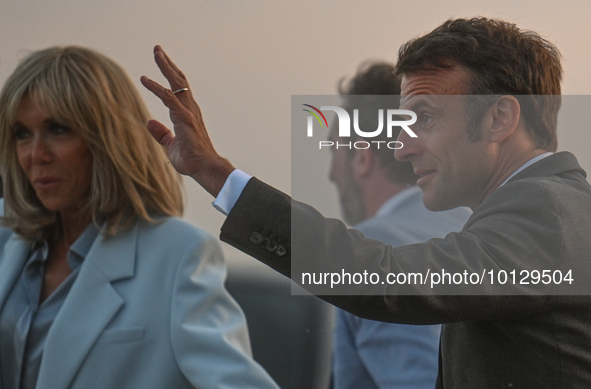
89	307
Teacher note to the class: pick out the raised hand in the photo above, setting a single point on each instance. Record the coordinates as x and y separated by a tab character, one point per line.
190	151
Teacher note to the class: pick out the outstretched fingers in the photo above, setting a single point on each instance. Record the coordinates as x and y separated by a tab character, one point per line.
169	68
175	77
190	149
169	99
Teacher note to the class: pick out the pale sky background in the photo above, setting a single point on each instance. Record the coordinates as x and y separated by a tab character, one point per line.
245	59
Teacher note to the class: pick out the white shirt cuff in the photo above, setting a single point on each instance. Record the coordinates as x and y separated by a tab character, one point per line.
231	190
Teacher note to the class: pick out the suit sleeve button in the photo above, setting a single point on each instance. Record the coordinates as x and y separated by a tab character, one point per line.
256	238
271	246
281	250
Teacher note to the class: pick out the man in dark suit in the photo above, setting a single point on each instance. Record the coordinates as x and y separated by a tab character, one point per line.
494	153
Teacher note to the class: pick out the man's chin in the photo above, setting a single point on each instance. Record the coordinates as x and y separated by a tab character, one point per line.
437	203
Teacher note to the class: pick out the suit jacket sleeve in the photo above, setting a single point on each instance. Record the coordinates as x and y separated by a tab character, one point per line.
208	330
504	233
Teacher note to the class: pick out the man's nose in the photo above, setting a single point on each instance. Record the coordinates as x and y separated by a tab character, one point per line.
410	147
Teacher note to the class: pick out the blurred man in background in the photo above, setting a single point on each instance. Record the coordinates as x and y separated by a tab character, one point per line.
379	196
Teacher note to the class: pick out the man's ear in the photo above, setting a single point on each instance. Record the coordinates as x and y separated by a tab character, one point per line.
504	118
363	163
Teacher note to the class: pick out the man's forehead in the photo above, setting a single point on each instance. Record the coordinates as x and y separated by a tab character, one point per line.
453	80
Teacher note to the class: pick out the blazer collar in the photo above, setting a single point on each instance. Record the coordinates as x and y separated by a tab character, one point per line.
90	306
554	164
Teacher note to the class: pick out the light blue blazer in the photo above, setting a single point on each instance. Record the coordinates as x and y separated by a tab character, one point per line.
147	310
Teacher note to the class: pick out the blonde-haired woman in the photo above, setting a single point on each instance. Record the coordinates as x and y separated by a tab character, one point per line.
101	286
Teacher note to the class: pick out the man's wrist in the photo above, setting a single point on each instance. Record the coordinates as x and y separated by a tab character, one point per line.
213	177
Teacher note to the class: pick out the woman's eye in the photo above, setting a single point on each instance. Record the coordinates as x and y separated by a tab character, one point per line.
21	133
58	129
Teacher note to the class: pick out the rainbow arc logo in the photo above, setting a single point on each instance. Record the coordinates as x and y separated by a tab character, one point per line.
316	116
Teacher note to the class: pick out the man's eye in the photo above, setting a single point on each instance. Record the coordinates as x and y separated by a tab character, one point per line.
425	118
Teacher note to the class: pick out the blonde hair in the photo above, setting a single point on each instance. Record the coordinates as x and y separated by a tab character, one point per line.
91	94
